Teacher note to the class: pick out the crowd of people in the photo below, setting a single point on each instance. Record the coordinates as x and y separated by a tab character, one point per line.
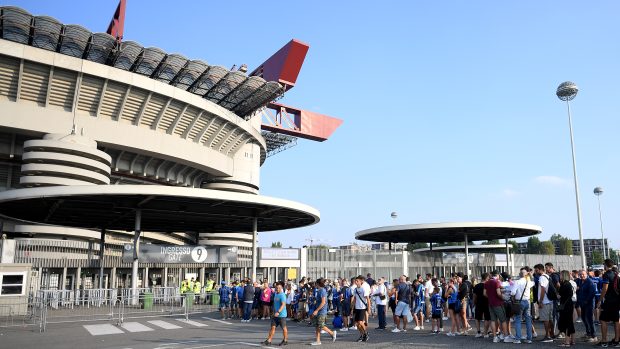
498	305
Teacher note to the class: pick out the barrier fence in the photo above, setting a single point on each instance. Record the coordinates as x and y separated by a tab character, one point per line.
113	305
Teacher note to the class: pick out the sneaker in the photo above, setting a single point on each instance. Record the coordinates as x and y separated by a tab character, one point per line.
602	344
534	335
365	338
508	339
361	338
496	339
283	343
592	340
516	341
353	327
344	329
578	321
323	332
334	336
445	318
266	343
395	330
315	343
441	329
427	321
421	327
560	336
527	341
486	336
478	335
501	337
417	328
547	340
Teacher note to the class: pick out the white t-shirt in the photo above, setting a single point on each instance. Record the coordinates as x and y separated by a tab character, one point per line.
381	290
428	286
522	287
574	285
360	295
543	281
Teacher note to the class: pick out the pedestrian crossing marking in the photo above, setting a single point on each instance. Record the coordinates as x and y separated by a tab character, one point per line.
217	320
163	324
135	327
103	329
194	323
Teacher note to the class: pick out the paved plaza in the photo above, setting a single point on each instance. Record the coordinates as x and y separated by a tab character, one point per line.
208	331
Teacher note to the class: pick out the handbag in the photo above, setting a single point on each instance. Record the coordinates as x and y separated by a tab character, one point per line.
515	305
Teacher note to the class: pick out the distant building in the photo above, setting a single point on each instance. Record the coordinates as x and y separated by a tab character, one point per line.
590	246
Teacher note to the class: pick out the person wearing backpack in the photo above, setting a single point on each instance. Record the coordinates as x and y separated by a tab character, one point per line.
545	305
609	304
554	291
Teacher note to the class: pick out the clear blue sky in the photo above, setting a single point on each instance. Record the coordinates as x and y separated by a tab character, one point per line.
449	108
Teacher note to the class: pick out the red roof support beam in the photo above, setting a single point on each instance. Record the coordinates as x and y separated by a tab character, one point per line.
284	65
117	24
300	123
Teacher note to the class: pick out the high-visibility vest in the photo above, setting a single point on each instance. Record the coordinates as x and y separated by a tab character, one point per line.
197	287
209	286
183	286
190	286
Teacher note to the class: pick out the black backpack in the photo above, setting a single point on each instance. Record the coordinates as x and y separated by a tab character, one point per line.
615	284
552	291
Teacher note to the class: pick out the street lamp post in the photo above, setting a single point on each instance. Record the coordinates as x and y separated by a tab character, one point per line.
567	92
598	191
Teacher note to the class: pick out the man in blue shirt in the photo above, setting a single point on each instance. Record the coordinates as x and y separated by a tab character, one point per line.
585	299
319	314
279	315
224	293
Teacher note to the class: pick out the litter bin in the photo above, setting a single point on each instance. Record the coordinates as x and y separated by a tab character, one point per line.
189	299
147	300
215	298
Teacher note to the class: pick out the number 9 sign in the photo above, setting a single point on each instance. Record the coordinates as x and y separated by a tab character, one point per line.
199	254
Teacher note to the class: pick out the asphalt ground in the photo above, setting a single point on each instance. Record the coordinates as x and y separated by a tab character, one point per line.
208	331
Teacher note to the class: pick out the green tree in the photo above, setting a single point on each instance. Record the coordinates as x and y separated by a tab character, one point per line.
597	257
276	244
546	247
417	245
556	238
442	244
491	242
515	246
533	245
613	255
566	247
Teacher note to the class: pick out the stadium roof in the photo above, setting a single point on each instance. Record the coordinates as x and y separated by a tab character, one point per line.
233	90
163	208
448	232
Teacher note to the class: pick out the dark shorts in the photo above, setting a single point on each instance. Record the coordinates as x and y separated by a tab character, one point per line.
436	315
392	305
508	311
278	321
255	304
452	306
346	309
264	304
609	311
482	312
360	315
224	304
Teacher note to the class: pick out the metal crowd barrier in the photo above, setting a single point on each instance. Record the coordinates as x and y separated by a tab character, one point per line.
113	305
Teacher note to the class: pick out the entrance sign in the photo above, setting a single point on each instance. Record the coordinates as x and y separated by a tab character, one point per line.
180	254
279	253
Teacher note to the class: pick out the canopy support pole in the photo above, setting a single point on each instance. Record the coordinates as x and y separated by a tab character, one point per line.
136	246
254	249
466	255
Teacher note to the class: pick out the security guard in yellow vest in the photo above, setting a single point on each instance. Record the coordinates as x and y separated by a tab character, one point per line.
197	287
209	286
184	286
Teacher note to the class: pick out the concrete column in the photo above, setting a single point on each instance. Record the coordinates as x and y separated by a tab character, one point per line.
276	278
466	255
220	276
405	263
303	263
254	247
165	278
136	247
101	256
202	276
227	274
63	282
508	264
113	278
374	265
145	277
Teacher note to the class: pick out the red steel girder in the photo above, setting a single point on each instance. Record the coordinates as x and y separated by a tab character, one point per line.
299	123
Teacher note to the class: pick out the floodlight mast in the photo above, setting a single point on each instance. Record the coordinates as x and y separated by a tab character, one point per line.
567	92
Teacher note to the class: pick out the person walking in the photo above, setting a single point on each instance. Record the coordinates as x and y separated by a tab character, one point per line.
225	294
380	295
402	299
520	294
361	304
319	315
279	315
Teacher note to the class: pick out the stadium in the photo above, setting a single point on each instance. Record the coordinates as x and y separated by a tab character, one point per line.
105	143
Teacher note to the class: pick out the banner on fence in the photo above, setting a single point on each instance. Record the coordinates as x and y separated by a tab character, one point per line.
180	254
